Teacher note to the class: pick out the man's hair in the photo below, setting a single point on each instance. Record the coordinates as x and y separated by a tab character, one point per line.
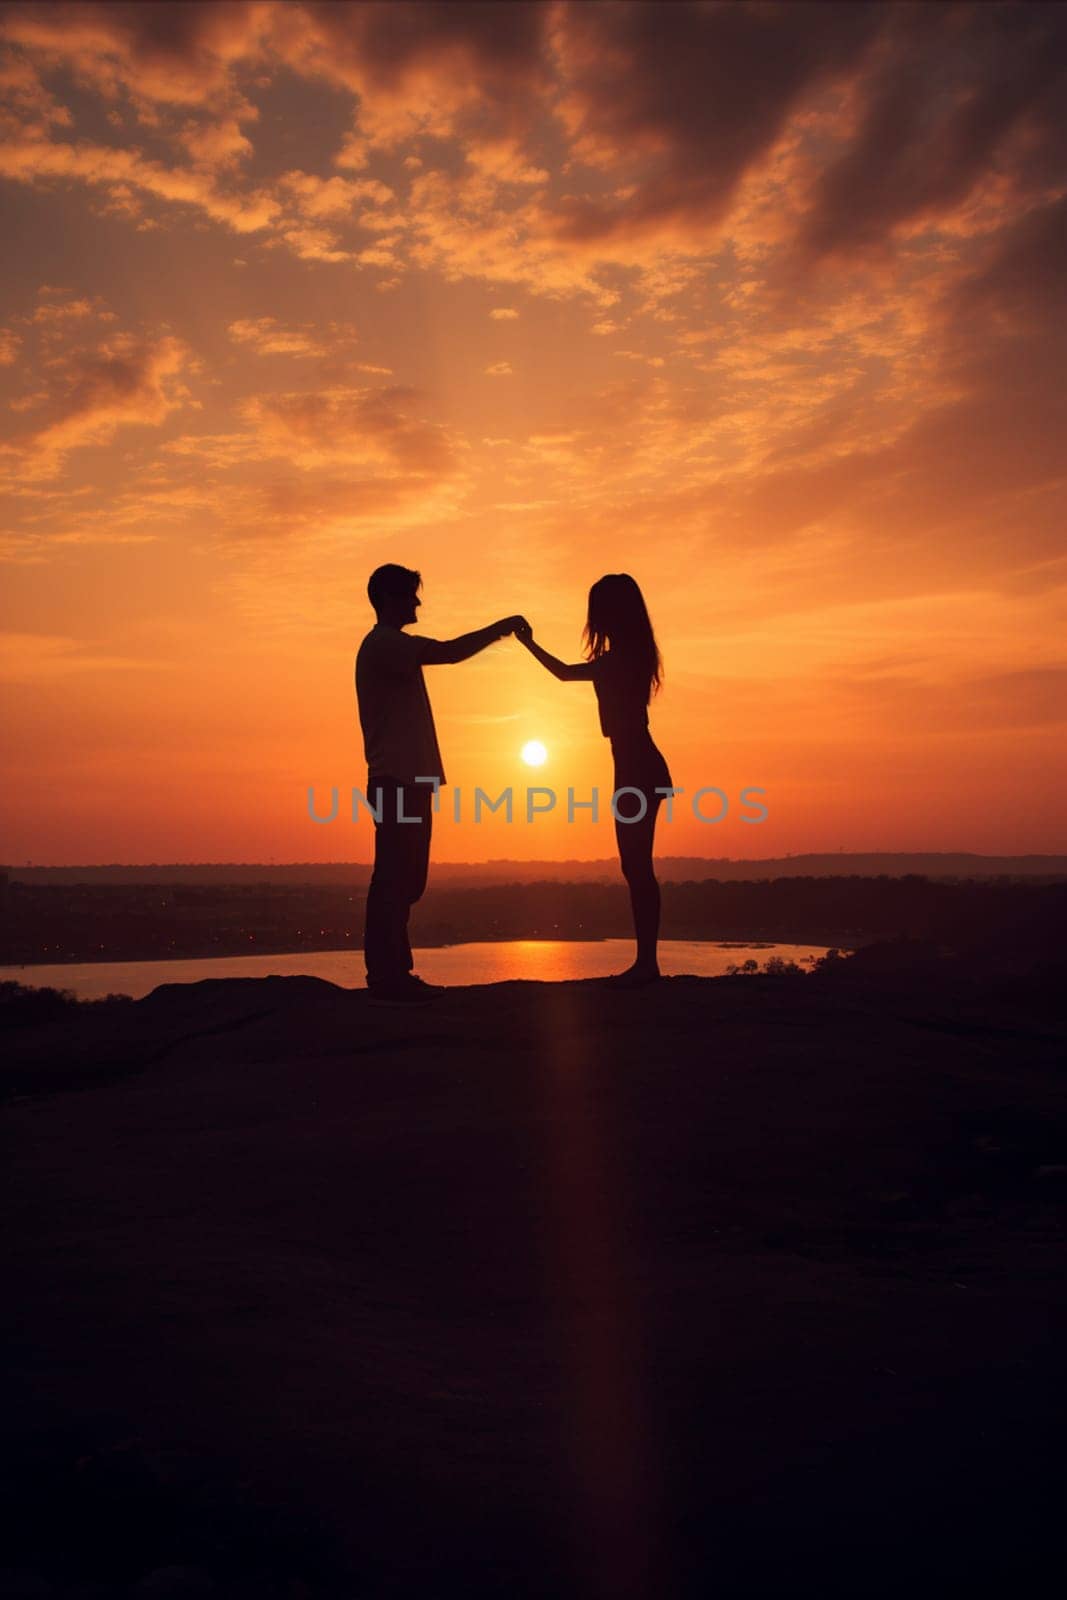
391	582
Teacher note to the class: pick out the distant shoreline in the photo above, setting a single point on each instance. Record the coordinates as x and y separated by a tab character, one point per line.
354	949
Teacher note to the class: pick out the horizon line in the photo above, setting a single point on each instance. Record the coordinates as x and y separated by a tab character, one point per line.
495	861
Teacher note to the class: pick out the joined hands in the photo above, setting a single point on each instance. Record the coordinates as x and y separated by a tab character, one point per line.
516	625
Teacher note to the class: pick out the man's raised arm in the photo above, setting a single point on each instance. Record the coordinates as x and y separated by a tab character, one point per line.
439	652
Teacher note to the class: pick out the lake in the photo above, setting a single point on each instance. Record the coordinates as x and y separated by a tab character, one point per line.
547	960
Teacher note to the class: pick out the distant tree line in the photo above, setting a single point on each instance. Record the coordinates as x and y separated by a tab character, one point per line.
350	875
41	923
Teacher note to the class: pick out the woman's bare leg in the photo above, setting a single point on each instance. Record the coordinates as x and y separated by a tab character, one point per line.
635	841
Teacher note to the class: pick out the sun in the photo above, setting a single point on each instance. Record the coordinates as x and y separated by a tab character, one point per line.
534	753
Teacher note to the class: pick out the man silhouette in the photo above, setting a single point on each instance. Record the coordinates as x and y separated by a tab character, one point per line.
404	769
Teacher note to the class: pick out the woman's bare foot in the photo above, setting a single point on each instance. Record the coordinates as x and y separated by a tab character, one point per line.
635	977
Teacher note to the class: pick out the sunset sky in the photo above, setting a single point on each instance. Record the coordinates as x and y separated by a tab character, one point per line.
764	304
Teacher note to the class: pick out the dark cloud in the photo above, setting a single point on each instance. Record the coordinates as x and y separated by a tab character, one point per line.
698	93
1024	277
181	53
955	94
419	65
680	103
385	40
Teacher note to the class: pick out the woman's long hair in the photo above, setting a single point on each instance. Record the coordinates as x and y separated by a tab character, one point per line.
618	624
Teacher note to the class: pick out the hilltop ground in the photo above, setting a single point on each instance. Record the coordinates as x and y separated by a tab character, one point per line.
743	1287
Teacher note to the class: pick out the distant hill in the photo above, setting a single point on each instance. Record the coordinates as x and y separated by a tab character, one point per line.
671	869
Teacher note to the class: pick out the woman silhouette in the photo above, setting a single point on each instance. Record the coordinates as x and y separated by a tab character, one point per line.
624	665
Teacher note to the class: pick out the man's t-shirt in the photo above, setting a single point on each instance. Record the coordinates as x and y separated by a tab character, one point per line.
394	709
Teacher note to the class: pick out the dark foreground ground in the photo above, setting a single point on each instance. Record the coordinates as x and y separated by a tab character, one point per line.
743	1287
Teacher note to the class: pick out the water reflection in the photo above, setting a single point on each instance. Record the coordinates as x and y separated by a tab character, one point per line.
540	960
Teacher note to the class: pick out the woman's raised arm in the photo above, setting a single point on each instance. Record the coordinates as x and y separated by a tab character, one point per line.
575	672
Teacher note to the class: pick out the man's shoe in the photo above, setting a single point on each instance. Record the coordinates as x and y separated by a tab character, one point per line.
428	989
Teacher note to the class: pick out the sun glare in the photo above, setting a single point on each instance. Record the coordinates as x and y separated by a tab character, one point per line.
534	753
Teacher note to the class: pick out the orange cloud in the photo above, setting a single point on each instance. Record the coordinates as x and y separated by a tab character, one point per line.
88	391
316	244
330	344
29	160
217	144
337	197
382	426
63	310
269	337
